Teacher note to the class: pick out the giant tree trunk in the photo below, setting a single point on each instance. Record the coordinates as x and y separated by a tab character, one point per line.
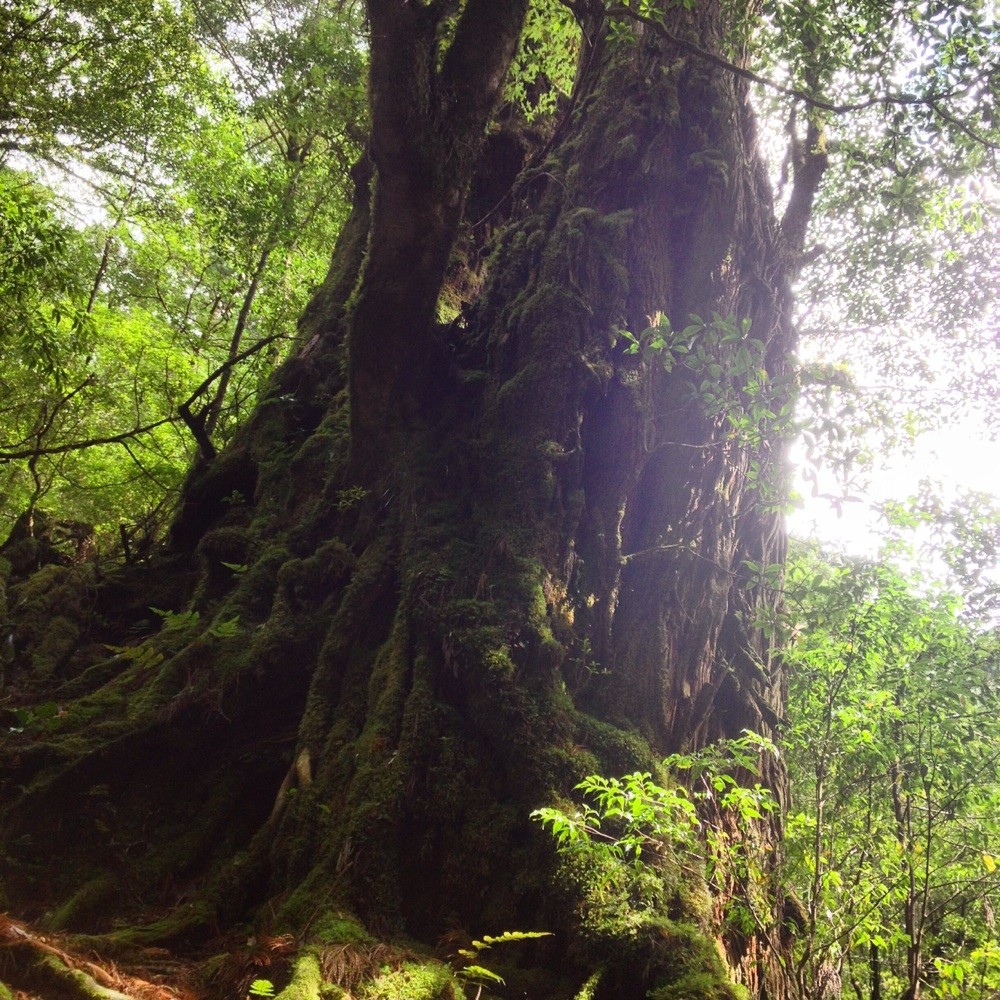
454	569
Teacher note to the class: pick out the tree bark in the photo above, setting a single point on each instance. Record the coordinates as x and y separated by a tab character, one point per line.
428	122
464	566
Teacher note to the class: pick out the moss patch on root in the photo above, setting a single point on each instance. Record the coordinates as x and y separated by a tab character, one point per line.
53	606
337	928
91	898
307	980
669	959
414	981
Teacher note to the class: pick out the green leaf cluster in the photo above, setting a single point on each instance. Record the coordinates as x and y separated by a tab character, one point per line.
893	757
638	837
171	182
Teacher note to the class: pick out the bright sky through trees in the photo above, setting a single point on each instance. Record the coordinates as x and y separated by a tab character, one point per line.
960	457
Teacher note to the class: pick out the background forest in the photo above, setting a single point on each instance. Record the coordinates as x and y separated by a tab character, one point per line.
173	179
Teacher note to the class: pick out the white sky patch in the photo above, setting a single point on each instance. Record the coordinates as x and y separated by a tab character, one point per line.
957	457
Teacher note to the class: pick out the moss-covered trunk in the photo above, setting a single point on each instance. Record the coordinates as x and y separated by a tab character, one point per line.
445	572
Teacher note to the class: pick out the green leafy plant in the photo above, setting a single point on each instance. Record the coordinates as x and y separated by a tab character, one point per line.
261	988
350	497
893	757
478	975
225	628
36	716
726	372
633	828
176	621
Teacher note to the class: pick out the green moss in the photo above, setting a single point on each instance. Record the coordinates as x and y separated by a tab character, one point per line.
190	921
619	750
336	928
53	606
692	968
296	910
88	900
589	988
698	985
308	581
213	968
59	641
429	981
306	980
226	544
566	766
5	992
51	976
22	553
498	661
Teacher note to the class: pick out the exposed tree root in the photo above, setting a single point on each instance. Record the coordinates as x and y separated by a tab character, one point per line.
47	966
36	966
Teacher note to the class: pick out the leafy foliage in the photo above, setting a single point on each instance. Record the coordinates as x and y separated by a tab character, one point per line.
724	368
171	181
474	973
636	832
90	75
204	212
545	65
893	757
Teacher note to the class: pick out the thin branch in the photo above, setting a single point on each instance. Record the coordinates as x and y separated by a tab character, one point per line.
197	423
226	365
49	417
931	101
135	432
61	449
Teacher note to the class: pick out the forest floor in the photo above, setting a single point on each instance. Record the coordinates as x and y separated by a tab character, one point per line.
48	966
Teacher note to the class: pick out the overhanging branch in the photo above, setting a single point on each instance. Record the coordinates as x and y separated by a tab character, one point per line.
932	101
39	451
62	449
